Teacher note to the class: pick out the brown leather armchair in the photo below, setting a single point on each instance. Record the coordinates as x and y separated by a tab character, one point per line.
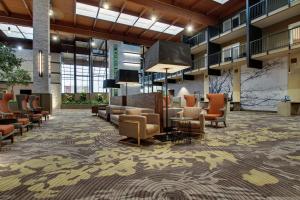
137	125
217	107
197	123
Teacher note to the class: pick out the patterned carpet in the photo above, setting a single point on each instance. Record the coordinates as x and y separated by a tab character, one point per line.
78	156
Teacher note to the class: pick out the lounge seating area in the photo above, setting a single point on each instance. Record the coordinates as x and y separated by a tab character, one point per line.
17	121
154	100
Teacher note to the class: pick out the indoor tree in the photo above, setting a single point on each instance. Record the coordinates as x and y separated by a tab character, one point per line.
10	68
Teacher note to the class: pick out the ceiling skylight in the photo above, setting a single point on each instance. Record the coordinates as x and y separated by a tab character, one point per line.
108	15
221	1
127	19
86	10
160	27
143	23
17	31
130	20
173	30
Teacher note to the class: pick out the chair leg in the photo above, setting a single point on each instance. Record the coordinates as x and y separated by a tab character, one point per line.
21	131
45	118
139	141
12	139
225	124
217	124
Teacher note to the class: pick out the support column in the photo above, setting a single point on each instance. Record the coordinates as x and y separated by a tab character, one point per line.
41	46
236	97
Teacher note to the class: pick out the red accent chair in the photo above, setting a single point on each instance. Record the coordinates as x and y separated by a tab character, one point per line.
6	113
190	100
36	108
23	107
216	111
7	132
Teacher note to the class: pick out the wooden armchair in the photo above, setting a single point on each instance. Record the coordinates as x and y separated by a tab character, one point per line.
217	109
139	126
34	104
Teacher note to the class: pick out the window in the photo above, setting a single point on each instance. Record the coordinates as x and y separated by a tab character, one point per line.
98	78
67	78
227	25
82	79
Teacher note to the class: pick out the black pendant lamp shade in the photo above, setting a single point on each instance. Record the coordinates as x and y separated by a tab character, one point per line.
110	83
127	76
168	55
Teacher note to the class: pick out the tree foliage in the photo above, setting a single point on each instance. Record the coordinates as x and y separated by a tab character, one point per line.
10	68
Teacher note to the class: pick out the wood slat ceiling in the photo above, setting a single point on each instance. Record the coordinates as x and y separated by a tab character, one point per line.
200	13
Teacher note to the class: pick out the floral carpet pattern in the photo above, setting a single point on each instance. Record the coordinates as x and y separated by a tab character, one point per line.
78	156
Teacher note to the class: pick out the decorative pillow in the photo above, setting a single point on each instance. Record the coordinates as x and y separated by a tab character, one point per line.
134	111
117	111
190	100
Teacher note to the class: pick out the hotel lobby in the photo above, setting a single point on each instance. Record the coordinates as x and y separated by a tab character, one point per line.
156	99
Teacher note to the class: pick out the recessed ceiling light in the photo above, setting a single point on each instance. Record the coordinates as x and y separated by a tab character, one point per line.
153	18
93	43
20	48
51	12
54	38
189	28
105	5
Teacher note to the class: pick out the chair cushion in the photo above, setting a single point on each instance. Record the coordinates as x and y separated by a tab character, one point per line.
212	116
152	128
195	124
135	111
7	129
23	121
192	112
190	100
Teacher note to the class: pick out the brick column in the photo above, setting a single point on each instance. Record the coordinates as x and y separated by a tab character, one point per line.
41	43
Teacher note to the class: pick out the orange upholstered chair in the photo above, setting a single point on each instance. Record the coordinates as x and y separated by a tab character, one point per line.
35	106
216	111
23	107
7	132
8	114
190	100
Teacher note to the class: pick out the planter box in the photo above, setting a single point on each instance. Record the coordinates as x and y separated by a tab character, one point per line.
76	106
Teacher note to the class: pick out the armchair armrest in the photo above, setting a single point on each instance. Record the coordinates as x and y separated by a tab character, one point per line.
152	118
138	118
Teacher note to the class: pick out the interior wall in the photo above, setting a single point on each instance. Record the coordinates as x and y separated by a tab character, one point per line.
263	89
294	77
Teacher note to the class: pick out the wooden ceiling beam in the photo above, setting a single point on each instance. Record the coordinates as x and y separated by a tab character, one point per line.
27	7
82	31
4	6
177	11
74	11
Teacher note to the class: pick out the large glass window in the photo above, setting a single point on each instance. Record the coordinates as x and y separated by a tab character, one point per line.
82	79
67	78
98	78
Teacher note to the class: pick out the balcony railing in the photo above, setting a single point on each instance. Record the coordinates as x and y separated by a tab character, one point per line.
197	39
266	6
200	63
229	24
275	41
227	55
